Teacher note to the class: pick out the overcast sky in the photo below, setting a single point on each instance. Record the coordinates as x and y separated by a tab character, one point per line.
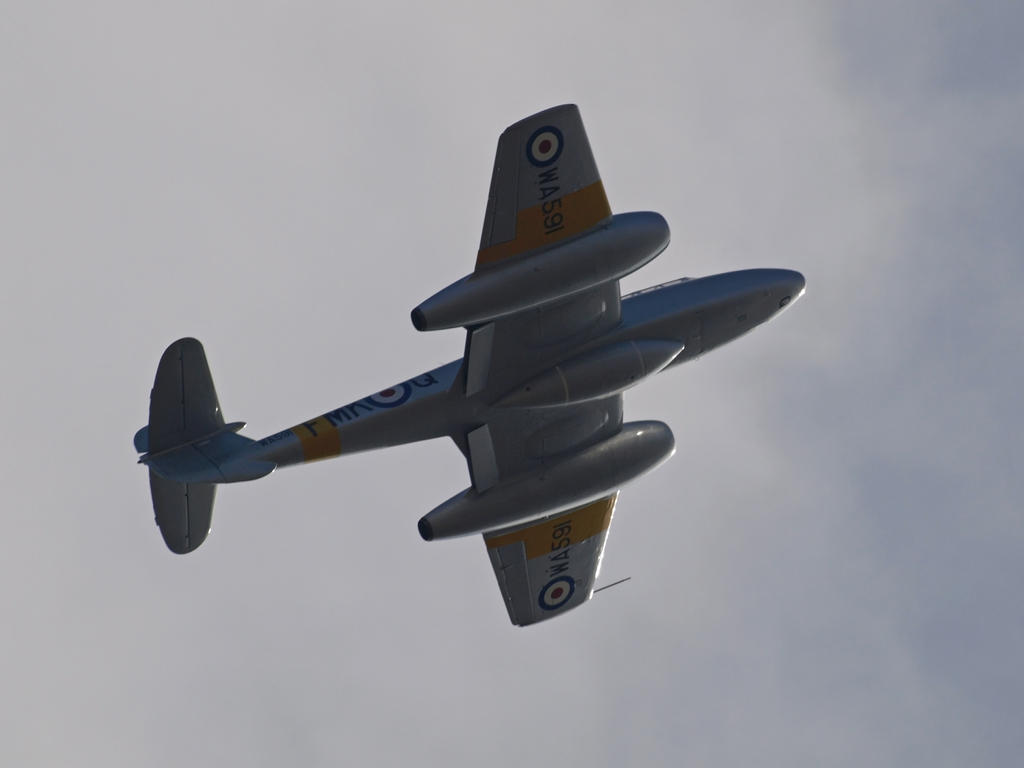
829	570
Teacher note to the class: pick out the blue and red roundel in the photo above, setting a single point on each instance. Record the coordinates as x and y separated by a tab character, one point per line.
556	593
544	146
391	397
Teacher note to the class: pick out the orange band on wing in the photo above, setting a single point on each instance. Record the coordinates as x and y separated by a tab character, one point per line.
320	440
551	221
547	536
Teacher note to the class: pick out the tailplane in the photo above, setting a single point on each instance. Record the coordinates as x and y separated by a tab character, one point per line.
184	512
188	447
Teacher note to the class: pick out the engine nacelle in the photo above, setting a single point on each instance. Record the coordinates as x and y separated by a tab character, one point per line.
623	245
590	474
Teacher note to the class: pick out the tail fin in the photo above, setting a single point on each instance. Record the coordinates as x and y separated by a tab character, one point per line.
188	447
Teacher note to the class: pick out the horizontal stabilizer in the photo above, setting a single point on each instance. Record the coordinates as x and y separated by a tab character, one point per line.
183	512
188	447
183	406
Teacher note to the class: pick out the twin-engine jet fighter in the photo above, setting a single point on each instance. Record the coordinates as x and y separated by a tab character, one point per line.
535	404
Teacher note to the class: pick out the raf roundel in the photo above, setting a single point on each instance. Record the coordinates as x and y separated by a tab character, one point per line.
544	146
391	397
556	593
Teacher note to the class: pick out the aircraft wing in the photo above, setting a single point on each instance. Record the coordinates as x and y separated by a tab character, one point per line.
550	566
545	189
543	163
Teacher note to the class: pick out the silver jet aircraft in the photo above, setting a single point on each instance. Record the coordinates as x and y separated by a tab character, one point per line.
535	404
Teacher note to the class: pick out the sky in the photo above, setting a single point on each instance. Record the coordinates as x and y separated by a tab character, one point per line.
828	572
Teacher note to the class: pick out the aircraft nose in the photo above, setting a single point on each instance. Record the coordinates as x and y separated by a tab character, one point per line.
792	286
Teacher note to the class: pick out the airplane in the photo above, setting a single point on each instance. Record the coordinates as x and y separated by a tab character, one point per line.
535	403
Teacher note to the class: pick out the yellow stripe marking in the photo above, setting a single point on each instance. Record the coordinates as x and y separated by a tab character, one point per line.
319	439
579	210
583	522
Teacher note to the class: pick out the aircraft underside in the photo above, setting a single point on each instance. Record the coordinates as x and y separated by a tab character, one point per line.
535	405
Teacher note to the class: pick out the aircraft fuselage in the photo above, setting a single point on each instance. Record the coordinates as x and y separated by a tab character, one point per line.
535	403
701	314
